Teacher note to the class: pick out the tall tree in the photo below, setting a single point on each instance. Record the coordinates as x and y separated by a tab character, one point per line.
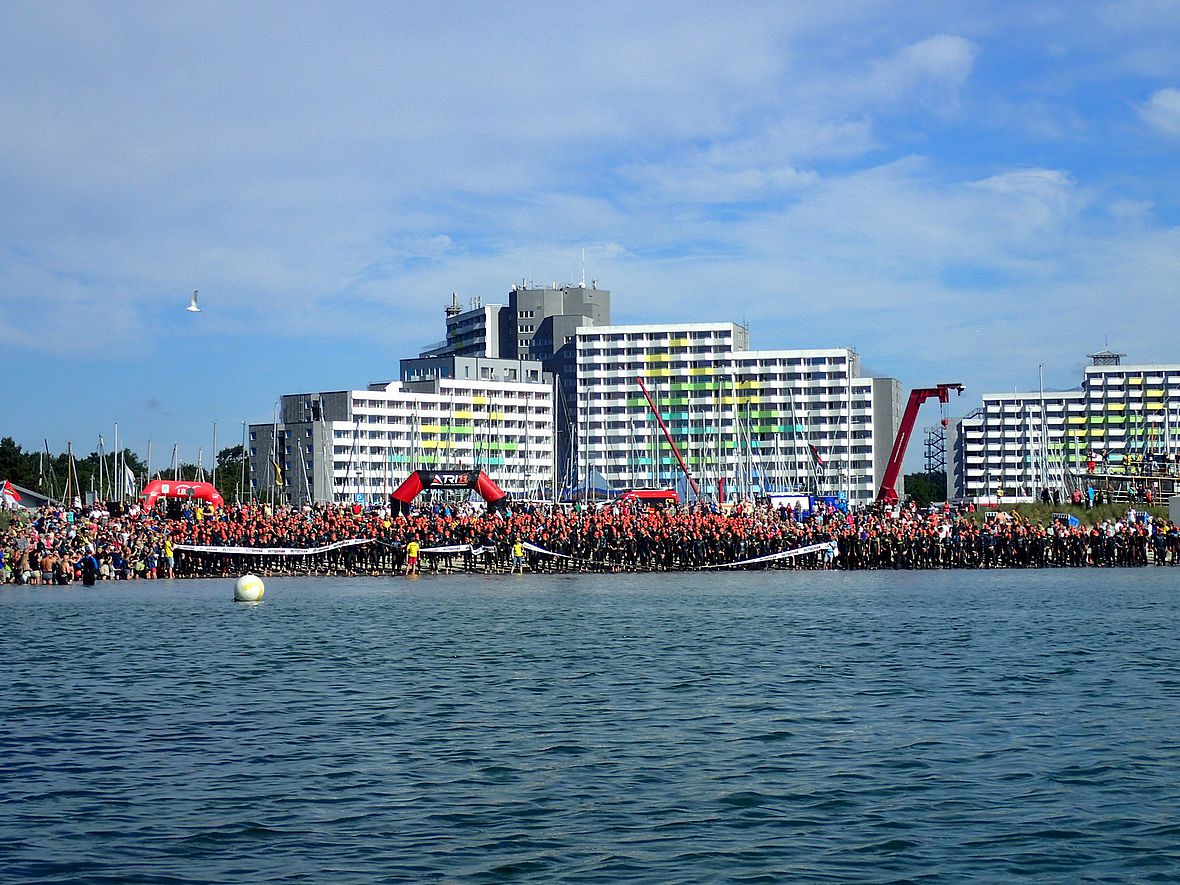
15	465
925	488
230	462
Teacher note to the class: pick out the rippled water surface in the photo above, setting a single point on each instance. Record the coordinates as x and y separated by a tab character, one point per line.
785	726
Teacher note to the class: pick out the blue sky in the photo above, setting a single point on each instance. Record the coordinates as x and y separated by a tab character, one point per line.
960	191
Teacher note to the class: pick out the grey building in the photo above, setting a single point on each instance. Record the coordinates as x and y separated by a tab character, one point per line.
537	325
471	368
473	332
541	324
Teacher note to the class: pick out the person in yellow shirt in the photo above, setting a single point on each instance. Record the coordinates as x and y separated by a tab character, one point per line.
517	557
169	558
412	556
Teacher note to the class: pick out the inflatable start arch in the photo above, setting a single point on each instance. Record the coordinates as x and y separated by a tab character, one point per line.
420	480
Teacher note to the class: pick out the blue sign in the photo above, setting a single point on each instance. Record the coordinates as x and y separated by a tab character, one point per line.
359	497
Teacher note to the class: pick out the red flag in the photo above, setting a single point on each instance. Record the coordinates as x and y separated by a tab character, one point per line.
815	454
10	491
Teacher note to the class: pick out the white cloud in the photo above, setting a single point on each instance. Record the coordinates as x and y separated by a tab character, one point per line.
1131	211
1032	198
1140	15
931	71
843	174
943	57
1162	111
701	182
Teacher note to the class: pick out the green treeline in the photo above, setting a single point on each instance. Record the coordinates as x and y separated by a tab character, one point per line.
47	474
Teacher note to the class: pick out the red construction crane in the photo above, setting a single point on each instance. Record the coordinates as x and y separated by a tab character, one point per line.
668	436
888	491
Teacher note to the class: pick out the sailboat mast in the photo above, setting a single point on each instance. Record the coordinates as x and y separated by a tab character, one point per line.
242	467
719	458
553	424
51	471
274	453
71	477
102	463
116	475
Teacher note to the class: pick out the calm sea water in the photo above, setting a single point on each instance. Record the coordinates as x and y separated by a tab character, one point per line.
986	726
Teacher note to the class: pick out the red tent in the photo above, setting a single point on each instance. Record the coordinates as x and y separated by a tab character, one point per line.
163	488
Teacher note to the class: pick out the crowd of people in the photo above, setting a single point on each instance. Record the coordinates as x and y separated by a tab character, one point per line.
62	546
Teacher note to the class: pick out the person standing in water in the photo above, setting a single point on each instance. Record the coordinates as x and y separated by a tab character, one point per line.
517	556
88	565
412	556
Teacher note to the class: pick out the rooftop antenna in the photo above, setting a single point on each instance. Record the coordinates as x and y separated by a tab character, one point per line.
583	267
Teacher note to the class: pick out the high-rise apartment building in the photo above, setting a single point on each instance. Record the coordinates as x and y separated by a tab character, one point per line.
1020	443
472	368
543	394
358	445
747	422
538	325
474	332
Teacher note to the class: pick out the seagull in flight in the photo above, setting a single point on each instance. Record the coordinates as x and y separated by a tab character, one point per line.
192	306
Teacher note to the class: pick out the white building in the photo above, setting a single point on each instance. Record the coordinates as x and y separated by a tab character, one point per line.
1020	443
358	445
748	422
